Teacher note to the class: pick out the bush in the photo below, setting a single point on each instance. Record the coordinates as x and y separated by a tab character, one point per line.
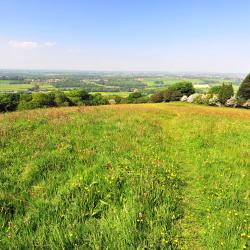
185	88
136	97
170	95
214	90
214	101
8	102
79	97
157	97
232	102
246	104
43	100
184	98
192	97
226	92
61	100
98	99
244	90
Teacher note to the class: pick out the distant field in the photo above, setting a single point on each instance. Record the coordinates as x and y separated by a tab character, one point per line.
169	81
122	94
6	86
143	176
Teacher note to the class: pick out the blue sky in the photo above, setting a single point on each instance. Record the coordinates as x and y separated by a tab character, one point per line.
169	35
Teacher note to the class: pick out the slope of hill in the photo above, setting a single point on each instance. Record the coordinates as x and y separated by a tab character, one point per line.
155	176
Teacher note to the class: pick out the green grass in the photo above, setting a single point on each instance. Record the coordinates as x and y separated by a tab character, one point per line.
155	176
6	86
169	81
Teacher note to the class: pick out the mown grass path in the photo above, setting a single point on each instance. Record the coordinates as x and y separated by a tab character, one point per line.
213	149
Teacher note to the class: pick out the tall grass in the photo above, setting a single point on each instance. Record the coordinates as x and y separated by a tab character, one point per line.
152	176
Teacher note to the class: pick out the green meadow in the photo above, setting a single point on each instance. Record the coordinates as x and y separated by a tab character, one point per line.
142	176
6	85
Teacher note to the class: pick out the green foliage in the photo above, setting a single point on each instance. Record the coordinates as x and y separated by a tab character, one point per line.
79	97
98	99
61	99
170	95
185	88
226	92
136	97
8	102
244	90
173	92
157	97
43	100
215	90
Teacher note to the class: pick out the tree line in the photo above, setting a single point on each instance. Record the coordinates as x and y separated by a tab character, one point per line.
179	91
76	97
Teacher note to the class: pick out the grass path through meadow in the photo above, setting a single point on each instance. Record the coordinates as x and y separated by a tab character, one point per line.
212	151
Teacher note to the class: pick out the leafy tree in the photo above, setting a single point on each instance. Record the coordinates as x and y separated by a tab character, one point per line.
98	99
8	102
133	97
43	100
79	97
185	88
226	92
61	99
244	90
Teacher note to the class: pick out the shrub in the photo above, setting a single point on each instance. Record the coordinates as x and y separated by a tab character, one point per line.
43	100
157	97
61	99
244	90
214	101
184	98
79	97
246	104
137	97
214	90
192	97
226	92
185	88
171	95
232	102
98	99
142	99
8	102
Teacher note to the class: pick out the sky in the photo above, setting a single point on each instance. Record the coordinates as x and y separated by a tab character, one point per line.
126	35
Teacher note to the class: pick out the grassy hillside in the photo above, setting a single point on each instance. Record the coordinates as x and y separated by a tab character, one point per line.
155	176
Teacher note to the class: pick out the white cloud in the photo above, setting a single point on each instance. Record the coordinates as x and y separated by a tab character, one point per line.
30	44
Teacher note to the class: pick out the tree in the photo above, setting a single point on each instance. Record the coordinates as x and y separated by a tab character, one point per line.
185	88
43	100
226	92
133	97
61	99
79	97
244	90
